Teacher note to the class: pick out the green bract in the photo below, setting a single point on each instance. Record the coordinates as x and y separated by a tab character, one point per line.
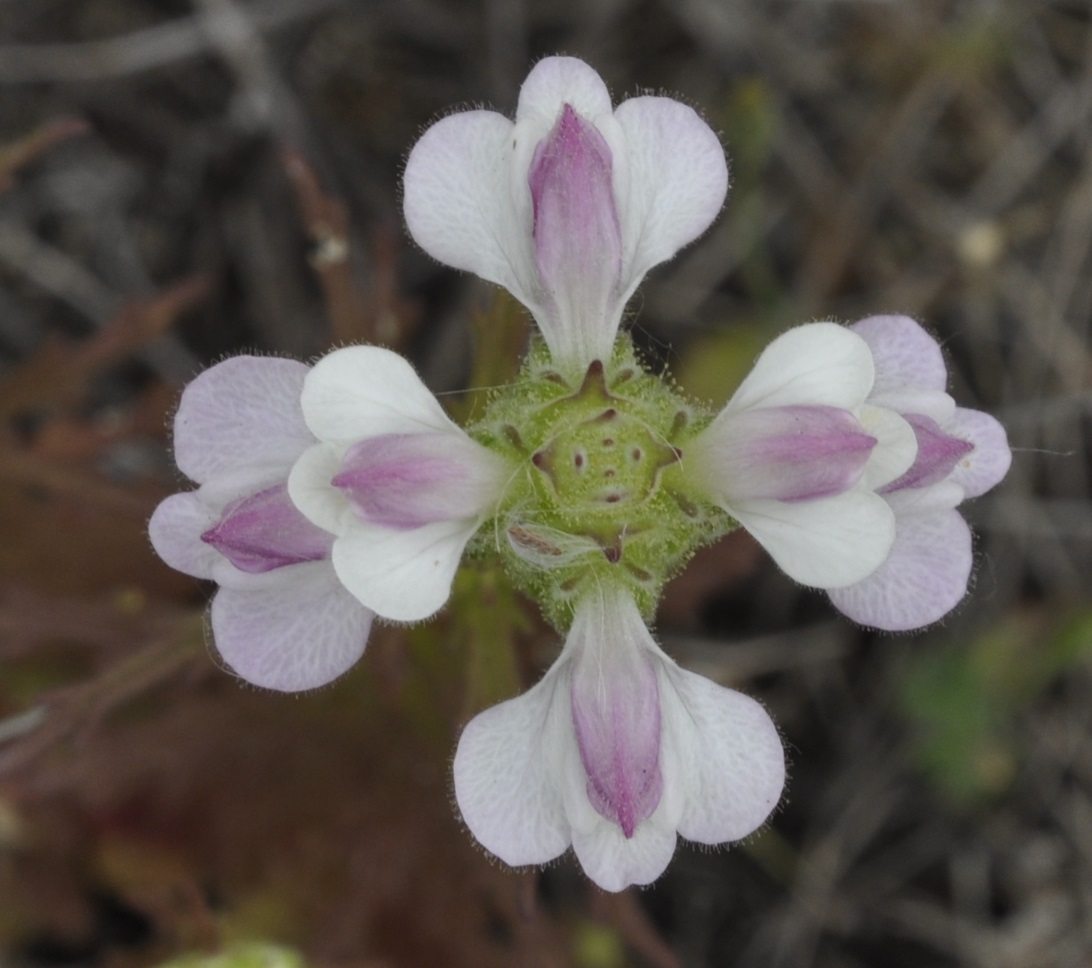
598	494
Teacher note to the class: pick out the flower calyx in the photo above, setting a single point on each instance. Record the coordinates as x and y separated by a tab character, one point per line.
598	494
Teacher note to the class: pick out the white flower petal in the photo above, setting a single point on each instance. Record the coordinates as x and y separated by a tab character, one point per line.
505	773
828	543
300	633
614	862
672	181
812	365
366	391
896	445
557	81
459	203
404	576
310	489
728	755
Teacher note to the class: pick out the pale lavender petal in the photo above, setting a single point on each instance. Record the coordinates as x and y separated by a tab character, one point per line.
922	580
175	531
404	481
906	357
506	773
299	633
366	391
828	543
459	203
578	247
242	412
616	715
819	364
671	179
555	81
264	531
991	458
404	576
793	453
938	454
727	754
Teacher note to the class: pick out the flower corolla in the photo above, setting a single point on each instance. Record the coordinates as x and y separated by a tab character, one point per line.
569	205
961	453
796	455
281	619
401	487
616	752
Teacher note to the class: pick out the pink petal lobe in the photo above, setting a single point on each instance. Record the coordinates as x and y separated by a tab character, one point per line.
264	531
791	453
616	714
405	481
578	244
938	454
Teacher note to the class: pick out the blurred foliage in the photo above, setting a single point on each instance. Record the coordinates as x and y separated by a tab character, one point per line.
966	699
242	955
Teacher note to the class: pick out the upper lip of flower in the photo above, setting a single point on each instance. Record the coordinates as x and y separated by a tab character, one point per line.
493	196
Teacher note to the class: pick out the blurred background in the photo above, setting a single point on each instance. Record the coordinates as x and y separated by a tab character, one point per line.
185	179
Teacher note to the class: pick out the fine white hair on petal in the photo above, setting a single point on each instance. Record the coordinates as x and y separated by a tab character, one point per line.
459	205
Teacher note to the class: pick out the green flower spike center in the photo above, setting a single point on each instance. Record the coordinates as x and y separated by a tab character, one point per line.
599	493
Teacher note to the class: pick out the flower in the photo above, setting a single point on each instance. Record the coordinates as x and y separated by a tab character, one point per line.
570	205
616	752
280	619
961	453
400	486
796	457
